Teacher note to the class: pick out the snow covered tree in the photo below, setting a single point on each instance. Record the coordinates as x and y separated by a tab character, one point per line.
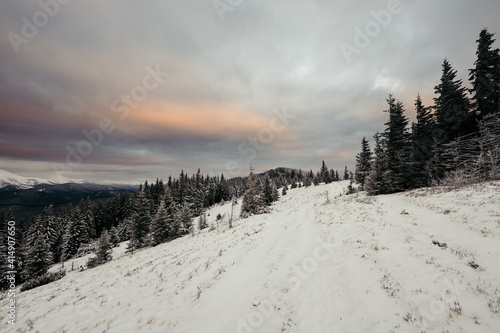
37	248
104	248
268	191
485	76
139	223
253	200
76	234
114	238
363	163
184	221
160	225
283	191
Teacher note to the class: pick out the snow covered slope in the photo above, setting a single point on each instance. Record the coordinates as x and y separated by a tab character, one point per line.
422	261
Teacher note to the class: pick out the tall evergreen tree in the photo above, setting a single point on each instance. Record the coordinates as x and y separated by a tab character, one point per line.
378	181
398	146
485	76
160	225
324	174
452	107
363	163
422	143
139	223
104	248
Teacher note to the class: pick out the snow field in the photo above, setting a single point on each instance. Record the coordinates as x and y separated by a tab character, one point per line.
423	261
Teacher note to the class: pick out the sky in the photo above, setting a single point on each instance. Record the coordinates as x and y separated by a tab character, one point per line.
121	91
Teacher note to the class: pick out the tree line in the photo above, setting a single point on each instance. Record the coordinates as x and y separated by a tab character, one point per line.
456	139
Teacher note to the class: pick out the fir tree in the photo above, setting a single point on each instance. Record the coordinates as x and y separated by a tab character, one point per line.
346	173
283	191
104	248
398	147
253	200
268	191
160	225
363	163
378	181
485	76
184	221
38	255
139	224
452	107
324	174
422	143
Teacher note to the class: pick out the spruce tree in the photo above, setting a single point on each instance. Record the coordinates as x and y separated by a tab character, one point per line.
160	225
268	191
37	247
422	143
253	200
183	223
104	248
452	107
346	173
485	76
378	181
139	224
363	163
324	174
398	147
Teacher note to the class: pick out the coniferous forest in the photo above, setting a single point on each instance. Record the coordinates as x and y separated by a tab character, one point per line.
456	140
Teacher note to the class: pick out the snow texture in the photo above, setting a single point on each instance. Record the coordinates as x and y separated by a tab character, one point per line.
422	261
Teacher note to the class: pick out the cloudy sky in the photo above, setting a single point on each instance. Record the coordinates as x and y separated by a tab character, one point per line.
120	91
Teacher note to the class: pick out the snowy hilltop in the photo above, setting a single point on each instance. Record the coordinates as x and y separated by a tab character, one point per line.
421	261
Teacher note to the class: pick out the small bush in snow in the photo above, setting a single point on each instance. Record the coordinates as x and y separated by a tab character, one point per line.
42	280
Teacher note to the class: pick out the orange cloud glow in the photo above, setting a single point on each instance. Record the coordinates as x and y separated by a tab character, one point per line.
196	119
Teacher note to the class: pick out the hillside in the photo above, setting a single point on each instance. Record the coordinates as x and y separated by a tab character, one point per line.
426	260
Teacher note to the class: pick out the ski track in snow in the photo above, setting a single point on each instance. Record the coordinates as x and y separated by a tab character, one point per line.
422	261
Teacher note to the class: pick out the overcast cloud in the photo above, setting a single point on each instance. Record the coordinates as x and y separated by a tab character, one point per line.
215	87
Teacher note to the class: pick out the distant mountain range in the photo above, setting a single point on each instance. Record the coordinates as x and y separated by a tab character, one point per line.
27	196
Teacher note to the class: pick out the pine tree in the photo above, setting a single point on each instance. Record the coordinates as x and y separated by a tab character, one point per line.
114	238
184	222
76	234
398	146
139	224
422	144
104	248
378	181
324	174
160	225
346	173
268	191
452	107
283	191
485	76
253	200
363	163
37	247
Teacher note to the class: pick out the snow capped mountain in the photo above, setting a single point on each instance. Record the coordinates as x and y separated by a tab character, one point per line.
9	178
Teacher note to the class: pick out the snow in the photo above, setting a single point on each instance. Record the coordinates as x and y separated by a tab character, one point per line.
9	178
355	264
